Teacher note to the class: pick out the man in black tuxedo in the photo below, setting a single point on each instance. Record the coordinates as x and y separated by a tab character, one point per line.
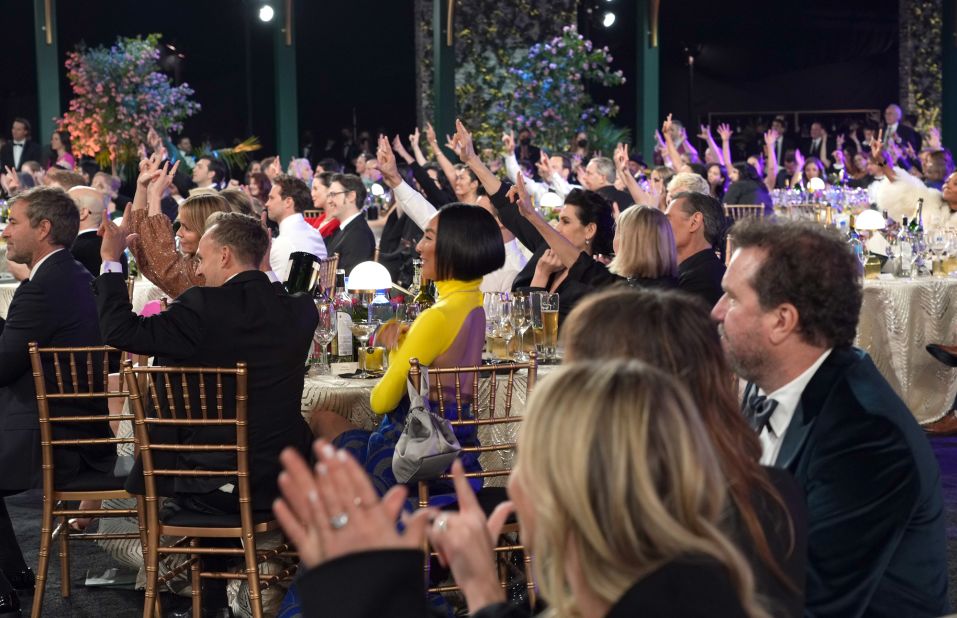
898	132
698	224
53	307
819	144
92	205
599	176
876	530
21	148
239	316
354	240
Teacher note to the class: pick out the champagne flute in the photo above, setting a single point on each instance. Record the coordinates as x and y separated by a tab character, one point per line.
549	324
521	321
538	323
325	333
362	330
505	326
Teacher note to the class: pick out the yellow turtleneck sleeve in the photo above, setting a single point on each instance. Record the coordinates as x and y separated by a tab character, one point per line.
432	333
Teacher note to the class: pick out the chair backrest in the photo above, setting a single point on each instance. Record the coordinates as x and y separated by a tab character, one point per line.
743	211
327	272
79	374
490	411
189	398
130	284
311	214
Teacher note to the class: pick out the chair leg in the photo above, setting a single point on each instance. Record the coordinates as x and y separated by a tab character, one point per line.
141	524
46	533
151	605
196	582
252	577
529	578
65	558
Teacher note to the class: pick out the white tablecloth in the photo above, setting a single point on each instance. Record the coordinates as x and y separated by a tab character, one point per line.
898	318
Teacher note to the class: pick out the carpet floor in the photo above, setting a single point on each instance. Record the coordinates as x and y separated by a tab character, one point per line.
84	602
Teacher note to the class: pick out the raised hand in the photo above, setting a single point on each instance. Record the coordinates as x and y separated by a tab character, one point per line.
724	130
462	140
453	146
705	133
770	136
161	182
933	139
877	147
400	149
839	141
660	141
465	543
10	180
518	195
430	136
387	164
414	138
799	159
544	169
114	239
336	511
275	168
549	263
149	169
666	127
508	142
621	158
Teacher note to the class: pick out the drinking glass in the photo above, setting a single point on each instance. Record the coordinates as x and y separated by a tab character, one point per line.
325	333
505	326
362	330
521	322
538	323
549	303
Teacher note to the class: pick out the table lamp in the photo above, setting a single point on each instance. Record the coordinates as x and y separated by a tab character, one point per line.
551	200
870	221
368	277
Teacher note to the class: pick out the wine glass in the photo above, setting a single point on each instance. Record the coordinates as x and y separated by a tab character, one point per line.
362	330
505	325
325	333
521	322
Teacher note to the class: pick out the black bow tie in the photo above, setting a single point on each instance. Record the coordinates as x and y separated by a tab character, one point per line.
20	144
759	411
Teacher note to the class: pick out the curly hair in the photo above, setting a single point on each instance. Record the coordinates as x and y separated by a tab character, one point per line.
810	267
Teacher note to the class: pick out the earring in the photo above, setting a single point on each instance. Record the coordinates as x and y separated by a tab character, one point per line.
587	241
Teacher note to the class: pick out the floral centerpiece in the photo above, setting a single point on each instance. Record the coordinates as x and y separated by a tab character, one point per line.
119	94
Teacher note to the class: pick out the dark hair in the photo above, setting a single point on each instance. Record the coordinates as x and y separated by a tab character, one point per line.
566	159
818	164
722	188
217	167
25	123
746	171
292	187
593	208
810	267
683	344
468	243
265	185
243	234
329	165
54	205
940	165
711	211
351	182
65	140
324	178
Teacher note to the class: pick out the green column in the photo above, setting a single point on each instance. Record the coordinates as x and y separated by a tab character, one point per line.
444	67
948	106
48	69
287	106
647	86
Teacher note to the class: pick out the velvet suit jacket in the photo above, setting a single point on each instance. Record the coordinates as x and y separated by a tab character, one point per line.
54	308
354	244
876	530
248	319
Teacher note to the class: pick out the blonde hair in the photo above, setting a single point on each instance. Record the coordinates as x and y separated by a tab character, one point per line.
646	244
620	472
195	211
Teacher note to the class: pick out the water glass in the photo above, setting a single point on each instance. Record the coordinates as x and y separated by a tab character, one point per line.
325	333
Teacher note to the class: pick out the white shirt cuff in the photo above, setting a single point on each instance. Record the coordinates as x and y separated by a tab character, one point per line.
110	266
272	276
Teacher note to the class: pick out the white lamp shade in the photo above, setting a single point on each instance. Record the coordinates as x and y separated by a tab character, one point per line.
870	220
816	184
552	200
369	276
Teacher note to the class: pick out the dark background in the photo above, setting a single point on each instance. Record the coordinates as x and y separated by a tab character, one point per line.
356	58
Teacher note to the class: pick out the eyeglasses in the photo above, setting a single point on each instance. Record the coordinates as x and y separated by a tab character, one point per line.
335	193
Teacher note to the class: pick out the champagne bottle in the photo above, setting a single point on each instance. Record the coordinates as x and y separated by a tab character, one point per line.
416	279
301	272
426	296
343	349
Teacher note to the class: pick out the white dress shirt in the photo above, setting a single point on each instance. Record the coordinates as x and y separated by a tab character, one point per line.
17	153
343	224
36	267
294	235
889	132
501	280
788	398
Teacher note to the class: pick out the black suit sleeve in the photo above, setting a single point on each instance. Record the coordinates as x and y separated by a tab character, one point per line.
514	222
432	193
370	584
174	333
29	319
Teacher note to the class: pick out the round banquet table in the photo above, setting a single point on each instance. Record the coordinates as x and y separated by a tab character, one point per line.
898	318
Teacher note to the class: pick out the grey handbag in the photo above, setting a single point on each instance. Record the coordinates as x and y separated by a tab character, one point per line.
427	446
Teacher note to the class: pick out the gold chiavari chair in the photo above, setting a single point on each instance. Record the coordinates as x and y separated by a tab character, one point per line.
130	284
80	375
197	398
327	272
728	248
743	211
311	214
497	446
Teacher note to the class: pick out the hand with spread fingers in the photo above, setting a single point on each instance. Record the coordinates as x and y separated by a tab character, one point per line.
387	165
465	541
336	511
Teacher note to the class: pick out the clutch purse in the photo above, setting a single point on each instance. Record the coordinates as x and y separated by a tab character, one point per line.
427	445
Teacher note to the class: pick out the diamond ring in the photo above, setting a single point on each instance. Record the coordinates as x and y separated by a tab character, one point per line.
339	521
442	523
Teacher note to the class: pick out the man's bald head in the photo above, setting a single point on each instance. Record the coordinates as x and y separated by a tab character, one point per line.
91	203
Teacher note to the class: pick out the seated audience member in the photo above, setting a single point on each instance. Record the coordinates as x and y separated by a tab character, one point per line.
21	148
151	232
354	240
209	174
698	223
259	186
61	151
92	205
769	515
288	199
461	244
599	176
326	224
749	189
717	177
898	194
427	175
686	182
238	315
238	201
55	308
618	491
822	410
64	179
813	168
645	249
